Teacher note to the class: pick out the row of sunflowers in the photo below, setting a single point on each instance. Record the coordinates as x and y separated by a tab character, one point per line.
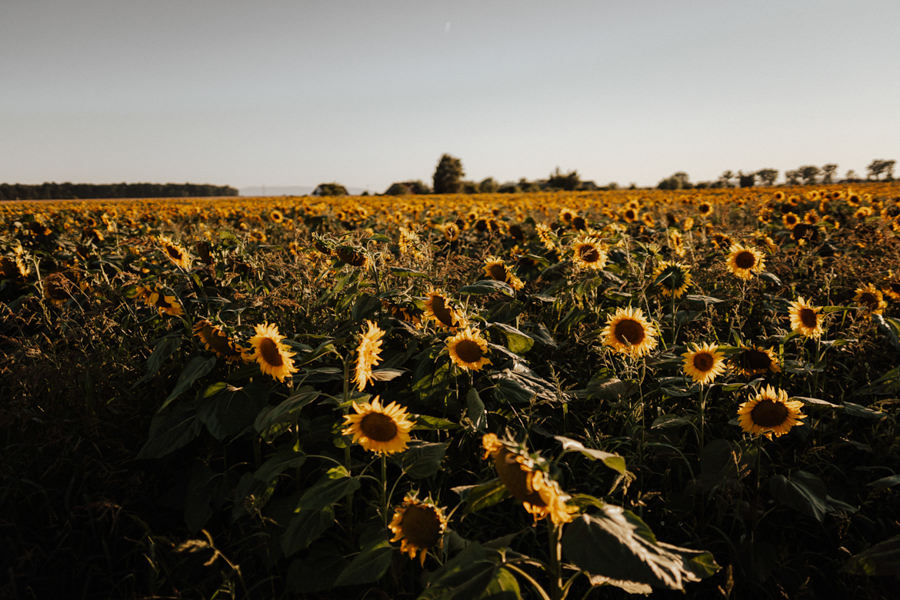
346	397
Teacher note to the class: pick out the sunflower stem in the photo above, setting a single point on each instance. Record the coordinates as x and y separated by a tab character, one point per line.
384	492
553	537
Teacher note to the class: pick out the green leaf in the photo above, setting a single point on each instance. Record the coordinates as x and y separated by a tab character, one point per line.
806	493
164	348
477	497
403	272
234	410
487	286
196	368
881	559
171	430
611	389
702	299
423	460
305	528
856	410
617	545
613	461
885	482
286	458
326	492
475	410
368	566
516	341
429	422
504	586
465	576
669	422
287	411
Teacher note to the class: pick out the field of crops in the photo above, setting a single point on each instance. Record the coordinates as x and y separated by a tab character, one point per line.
555	395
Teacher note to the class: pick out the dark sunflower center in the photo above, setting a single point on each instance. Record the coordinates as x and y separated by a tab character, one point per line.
790	219
755	360
378	427
579	223
705	208
868	299
629	331
703	361
440	310
269	352
674	278
497	272
589	253
469	351
421	526
767	413
629	214
515	477
808	317
173	252
744	259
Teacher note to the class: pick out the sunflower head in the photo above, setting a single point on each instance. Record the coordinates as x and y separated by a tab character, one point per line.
870	298
526	478
497	270
418	525
704	363
377	428
705	209
468	349
174	252
267	349
745	262
770	413
628	332
672	278
217	341
368	355
756	360
588	253
440	309
806	318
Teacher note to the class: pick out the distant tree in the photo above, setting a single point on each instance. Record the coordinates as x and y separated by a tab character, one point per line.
488	186
612	185
560	181
809	174
746	180
767	176
528	186
448	175
726	177
405	188
469	187
828	172
330	189
588	186
879	166
792	177
889	169
677	181
851	176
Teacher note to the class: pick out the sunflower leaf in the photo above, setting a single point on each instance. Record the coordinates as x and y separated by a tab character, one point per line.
881	559
304	529
196	368
613	461
423	460
488	286
616	544
477	497
164	349
516	340
369	565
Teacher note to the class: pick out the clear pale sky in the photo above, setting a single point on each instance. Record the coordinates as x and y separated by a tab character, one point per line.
365	93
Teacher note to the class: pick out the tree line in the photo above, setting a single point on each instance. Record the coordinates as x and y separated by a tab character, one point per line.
878	170
67	190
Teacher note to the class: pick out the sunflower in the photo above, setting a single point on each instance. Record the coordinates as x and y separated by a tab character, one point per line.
166	305
176	253
705	209
870	298
367	355
688	224
790	220
438	308
770	413
546	237
628	332
267	350
744	262
216	341
566	215
805	318
704	363
673	278
381	429
450	231
468	349
418	526
276	216
630	215
526	480
588	253
497	270
756	360
676	242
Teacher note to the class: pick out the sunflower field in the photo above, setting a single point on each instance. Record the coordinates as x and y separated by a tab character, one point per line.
541	396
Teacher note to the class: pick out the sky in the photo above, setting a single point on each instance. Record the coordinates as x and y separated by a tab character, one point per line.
283	93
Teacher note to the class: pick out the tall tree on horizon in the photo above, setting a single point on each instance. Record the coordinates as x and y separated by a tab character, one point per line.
448	175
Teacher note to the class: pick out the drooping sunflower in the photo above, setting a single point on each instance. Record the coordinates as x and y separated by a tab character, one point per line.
870	298
628	332
439	309
676	278
805	318
367	355
770	413
377	428
468	349
526	479
756	360
676	242
745	262
217	341
175	252
704	363
546	237
588	253
273	357
167	305
419	526
496	269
